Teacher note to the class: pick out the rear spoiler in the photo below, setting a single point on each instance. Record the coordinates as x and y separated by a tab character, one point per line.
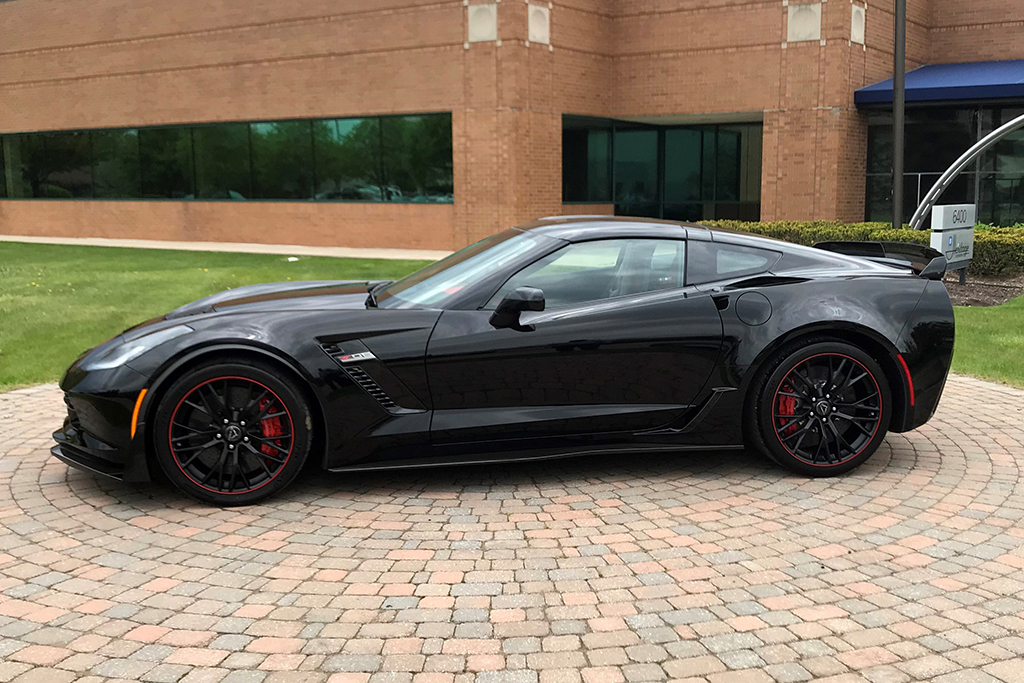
924	261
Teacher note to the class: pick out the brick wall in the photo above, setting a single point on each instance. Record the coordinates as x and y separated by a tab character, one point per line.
704	57
977	30
68	64
399	226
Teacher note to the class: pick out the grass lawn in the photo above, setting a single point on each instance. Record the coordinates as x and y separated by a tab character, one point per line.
57	301
990	342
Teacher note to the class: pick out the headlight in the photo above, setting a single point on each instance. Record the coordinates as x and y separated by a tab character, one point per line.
119	355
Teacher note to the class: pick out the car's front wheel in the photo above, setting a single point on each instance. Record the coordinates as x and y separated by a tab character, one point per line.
232	433
821	409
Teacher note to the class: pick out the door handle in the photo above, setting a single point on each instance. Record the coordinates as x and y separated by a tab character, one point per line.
721	301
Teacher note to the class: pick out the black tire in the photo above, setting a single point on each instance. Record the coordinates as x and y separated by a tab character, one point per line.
819	408
232	432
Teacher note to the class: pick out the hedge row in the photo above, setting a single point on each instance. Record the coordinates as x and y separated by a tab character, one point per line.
998	252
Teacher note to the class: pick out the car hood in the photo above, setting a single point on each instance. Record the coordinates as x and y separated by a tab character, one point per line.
280	296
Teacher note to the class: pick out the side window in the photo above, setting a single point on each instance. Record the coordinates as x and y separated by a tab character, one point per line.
667	263
602	269
651	265
711	261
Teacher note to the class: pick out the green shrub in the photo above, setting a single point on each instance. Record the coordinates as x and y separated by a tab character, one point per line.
998	252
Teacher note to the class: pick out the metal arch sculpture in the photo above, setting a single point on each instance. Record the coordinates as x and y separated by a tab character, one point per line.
958	167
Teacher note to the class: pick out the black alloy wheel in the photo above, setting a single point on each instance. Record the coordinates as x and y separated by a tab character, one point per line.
232	434
823	409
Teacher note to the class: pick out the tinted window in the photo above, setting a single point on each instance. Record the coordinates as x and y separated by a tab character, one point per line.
1001	188
710	261
683	165
115	164
51	165
3	171
166	155
282	160
66	171
23	156
636	172
727	186
586	160
396	159
590	271
935	138
348	160
667	263
222	161
674	172
418	158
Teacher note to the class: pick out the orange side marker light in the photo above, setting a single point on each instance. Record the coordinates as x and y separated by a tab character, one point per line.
135	413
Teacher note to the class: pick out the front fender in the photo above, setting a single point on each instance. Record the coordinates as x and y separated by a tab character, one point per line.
170	370
294	340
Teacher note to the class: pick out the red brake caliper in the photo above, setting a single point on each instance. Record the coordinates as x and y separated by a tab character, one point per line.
271	427
787	406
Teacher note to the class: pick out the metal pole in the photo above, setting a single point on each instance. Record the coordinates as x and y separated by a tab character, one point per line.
899	112
977	169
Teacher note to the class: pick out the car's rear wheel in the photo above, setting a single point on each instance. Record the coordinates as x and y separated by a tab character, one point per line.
821	408
232	433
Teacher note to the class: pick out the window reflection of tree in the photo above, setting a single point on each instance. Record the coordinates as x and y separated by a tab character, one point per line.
348	165
282	158
374	159
418	158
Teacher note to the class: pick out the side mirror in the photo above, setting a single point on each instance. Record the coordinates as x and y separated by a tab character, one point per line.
515	302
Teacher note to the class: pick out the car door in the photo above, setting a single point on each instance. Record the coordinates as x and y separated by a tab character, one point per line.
622	346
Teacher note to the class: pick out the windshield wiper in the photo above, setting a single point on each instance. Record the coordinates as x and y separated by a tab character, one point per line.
373	288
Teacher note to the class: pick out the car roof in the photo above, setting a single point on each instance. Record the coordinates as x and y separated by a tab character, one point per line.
576	228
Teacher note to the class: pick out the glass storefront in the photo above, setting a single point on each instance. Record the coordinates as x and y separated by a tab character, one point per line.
674	172
635	172
936	137
373	159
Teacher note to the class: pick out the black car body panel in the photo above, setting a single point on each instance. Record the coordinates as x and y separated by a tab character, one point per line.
657	370
585	370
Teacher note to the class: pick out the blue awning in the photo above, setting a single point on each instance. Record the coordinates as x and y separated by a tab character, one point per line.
951	82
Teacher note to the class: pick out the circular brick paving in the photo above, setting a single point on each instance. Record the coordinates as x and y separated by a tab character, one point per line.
714	566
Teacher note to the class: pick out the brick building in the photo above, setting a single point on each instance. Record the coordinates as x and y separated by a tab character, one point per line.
431	123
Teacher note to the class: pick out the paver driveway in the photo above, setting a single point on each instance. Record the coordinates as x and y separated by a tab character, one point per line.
714	567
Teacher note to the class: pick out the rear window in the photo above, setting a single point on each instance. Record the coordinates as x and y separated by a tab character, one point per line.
712	261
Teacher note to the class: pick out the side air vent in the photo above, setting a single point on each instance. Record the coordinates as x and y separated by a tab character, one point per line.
348	359
372	388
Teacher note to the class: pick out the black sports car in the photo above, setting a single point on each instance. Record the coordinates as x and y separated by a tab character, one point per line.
566	336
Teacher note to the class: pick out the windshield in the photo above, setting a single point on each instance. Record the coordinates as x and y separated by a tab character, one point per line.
434	285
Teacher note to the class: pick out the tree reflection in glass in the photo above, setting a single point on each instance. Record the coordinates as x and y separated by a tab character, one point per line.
348	160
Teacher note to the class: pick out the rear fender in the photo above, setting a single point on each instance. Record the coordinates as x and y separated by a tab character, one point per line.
868	311
926	345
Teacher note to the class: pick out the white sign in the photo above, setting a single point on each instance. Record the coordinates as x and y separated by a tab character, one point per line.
953	233
953	217
956	245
